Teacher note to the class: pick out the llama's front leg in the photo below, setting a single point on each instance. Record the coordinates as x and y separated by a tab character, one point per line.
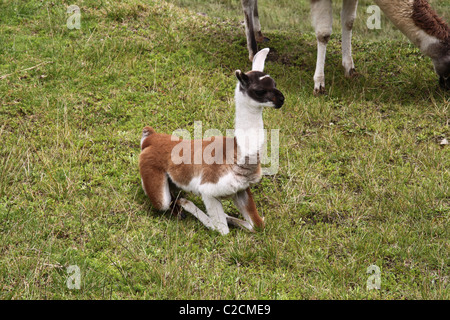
215	211
246	206
348	15
249	8
196	212
257	25
322	20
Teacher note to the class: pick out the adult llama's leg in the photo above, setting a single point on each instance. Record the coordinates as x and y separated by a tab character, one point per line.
249	10
257	25
348	15
322	20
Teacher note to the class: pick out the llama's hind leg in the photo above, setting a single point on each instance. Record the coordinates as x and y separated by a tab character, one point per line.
322	20
156	186
348	15
246	206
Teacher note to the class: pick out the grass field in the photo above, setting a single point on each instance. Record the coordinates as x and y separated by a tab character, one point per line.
362	179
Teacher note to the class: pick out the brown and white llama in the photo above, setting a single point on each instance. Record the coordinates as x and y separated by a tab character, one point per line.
230	169
414	18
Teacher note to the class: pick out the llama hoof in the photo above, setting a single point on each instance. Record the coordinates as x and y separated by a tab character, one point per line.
260	38
319	91
351	73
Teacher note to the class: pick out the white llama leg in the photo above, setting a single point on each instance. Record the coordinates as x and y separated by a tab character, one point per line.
207	221
348	15
196	212
215	211
322	20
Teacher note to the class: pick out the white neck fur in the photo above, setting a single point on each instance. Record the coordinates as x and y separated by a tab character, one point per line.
249	127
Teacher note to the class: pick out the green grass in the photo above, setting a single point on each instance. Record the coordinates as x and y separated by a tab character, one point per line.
362	177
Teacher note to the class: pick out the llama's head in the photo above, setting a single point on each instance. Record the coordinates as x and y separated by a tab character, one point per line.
442	68
257	87
440	55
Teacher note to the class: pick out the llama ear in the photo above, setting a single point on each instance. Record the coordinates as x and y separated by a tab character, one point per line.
259	59
242	77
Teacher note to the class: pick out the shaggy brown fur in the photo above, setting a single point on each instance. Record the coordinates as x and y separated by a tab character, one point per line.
425	18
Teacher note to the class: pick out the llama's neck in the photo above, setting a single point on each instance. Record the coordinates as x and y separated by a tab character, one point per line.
417	21
249	127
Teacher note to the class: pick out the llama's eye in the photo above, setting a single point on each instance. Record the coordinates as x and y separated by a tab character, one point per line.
260	92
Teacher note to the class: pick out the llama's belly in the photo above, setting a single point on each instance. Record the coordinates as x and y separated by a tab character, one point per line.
227	185
231	181
193	185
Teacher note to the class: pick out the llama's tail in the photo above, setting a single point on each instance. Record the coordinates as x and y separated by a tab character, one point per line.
147	131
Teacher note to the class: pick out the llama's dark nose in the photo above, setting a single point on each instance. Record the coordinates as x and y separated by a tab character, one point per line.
279	101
